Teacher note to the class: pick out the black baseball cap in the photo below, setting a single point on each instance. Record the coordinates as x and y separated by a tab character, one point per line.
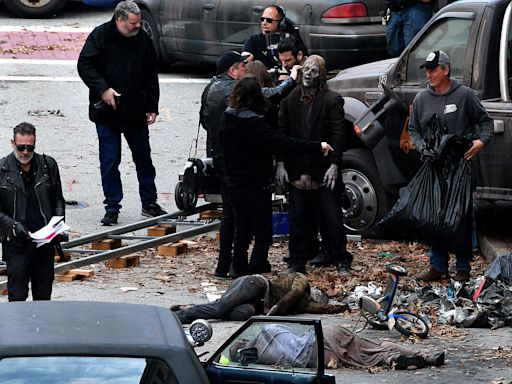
228	59
434	59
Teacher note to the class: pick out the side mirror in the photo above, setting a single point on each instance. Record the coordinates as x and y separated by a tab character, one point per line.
248	356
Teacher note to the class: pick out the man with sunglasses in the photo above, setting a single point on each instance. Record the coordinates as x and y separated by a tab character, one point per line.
30	195
263	46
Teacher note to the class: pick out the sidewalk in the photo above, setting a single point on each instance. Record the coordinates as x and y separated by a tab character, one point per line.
63	44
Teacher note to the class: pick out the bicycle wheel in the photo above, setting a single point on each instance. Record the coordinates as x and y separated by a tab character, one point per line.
410	324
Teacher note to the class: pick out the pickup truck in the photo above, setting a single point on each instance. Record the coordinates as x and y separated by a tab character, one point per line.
477	35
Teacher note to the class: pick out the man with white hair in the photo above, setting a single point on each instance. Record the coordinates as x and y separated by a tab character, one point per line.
119	66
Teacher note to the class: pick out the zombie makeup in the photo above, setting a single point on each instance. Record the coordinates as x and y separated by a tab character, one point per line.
310	74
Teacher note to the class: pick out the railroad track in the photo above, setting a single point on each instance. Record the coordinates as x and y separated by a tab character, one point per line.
131	243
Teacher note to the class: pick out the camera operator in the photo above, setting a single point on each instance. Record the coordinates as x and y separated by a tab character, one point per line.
263	46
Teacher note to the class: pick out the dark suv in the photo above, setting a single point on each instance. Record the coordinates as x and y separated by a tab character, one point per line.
344	33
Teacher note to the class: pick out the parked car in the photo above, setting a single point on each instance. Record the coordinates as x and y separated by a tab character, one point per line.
477	35
77	342
345	33
35	9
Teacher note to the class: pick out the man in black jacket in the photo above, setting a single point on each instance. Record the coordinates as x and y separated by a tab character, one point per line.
30	195
119	66
230	68
312	112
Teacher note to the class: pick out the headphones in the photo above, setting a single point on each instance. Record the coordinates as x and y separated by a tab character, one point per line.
282	22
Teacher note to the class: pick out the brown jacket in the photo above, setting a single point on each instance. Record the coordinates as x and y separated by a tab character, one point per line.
291	295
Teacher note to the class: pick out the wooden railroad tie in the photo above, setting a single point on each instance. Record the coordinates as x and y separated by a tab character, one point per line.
106	245
74	274
161	230
67	257
124	262
173	249
211	214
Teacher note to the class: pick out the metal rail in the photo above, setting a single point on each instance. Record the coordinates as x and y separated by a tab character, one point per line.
149	241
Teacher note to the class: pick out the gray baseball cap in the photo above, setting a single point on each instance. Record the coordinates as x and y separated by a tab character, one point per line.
434	59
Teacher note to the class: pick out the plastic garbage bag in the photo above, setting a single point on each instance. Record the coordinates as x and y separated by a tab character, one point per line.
434	206
501	269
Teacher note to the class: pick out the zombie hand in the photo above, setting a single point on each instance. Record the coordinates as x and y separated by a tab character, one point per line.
330	176
281	174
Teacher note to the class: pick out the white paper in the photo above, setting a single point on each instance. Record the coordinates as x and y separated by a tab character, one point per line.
46	234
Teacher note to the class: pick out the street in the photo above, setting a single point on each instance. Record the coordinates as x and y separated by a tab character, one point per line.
42	86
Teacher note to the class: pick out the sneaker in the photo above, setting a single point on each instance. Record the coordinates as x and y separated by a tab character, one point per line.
462	276
432	275
153	210
109	219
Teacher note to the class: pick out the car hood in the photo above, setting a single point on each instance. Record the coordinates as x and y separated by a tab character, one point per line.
366	75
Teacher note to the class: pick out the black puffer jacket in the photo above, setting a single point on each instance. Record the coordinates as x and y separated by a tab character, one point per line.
126	64
13	196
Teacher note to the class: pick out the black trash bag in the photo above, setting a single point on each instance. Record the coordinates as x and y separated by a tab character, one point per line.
501	269
434	206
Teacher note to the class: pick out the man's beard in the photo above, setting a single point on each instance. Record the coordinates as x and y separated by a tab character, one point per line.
23	159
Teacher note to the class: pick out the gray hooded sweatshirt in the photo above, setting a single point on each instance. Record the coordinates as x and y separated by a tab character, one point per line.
459	109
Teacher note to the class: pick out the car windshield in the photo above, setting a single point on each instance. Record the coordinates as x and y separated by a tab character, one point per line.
284	347
84	370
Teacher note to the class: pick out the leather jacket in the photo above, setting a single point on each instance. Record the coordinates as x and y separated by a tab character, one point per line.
13	196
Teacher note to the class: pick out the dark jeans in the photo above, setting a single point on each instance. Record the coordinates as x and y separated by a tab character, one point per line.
404	24
242	300
29	264
253	217
110	158
227	221
307	208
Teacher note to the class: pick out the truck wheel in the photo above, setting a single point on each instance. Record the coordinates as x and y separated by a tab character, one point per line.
33	9
365	200
148	25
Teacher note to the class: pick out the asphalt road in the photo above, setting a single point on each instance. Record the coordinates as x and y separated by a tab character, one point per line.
51	96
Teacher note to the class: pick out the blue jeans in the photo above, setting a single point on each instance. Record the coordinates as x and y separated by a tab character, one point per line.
110	158
404	24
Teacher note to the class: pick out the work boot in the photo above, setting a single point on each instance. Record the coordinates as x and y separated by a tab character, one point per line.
180	307
152	210
321	260
435	360
432	275
109	219
404	362
343	270
462	276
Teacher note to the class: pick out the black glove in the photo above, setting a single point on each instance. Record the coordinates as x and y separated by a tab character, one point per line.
20	231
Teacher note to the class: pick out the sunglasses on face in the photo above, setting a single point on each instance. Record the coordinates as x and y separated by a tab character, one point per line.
268	20
28	147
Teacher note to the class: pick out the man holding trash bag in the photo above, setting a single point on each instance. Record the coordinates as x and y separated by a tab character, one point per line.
459	111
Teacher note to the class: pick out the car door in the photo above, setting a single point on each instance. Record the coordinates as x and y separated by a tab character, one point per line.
237	20
265	351
494	179
189	28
